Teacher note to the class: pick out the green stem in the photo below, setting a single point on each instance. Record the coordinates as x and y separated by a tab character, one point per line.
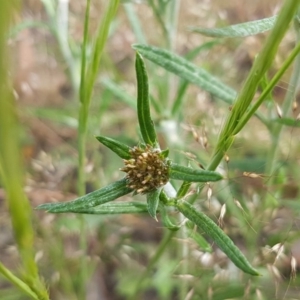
184	254
12	172
83	52
158	15
260	66
173	13
135	23
88	77
276	129
59	29
172	21
159	251
87	83
83	110
17	282
289	97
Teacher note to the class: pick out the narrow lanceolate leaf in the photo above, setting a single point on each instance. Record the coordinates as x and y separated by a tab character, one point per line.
239	30
188	71
192	175
153	201
143	107
217	235
119	148
116	208
103	195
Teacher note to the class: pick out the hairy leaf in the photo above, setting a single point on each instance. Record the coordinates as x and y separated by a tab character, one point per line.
143	107
217	235
98	197
188	71
238	30
119	148
192	175
116	208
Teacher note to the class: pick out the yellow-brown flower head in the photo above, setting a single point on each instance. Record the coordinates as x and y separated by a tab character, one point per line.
147	170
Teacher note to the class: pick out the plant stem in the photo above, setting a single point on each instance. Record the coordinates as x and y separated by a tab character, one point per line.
60	30
89	73
185	263
260	66
12	173
159	251
135	23
276	129
269	88
17	282
88	78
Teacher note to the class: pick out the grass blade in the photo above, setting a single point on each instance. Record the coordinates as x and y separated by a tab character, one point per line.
98	197
217	235
238	30
188	71
192	175
143	107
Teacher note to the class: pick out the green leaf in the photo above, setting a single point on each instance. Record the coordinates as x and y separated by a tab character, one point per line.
119	148
192	175
88	79
153	201
217	235
98	197
188	71
116	208
143	107
238	30
165	153
288	122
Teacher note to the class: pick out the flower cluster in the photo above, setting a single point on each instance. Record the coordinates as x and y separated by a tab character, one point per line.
147	169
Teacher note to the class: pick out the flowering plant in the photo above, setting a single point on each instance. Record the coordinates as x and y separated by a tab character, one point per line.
149	171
